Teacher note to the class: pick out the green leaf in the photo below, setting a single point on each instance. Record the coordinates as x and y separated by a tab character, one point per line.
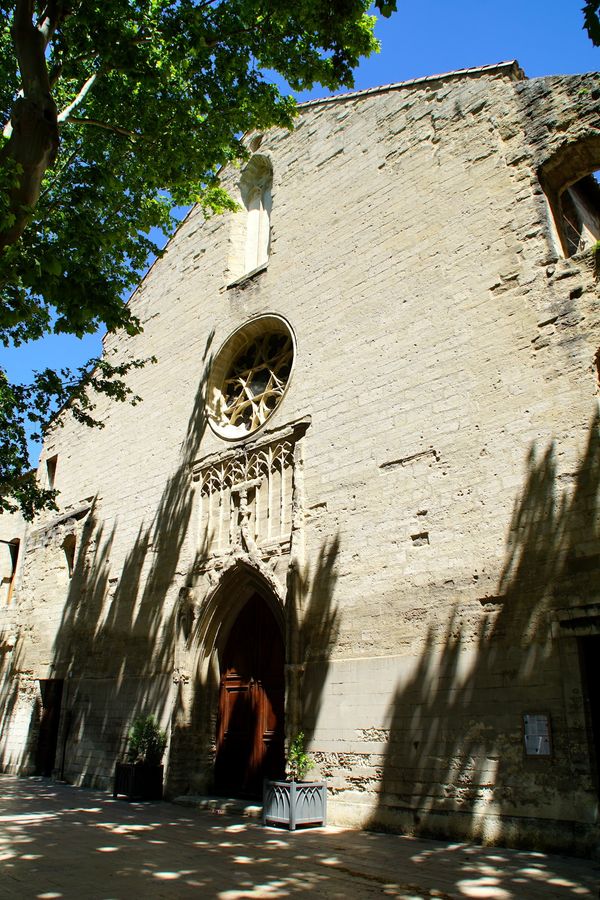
154	96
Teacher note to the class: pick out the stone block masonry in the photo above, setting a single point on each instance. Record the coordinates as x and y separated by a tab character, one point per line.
430	552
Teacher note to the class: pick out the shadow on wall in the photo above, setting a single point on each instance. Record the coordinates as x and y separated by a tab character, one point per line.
121	633
115	643
314	619
310	622
454	759
11	654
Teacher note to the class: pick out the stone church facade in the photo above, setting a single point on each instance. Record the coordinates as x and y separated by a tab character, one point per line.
360	496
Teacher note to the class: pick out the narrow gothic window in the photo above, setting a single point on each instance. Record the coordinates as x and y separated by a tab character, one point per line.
250	241
51	470
257	229
580	207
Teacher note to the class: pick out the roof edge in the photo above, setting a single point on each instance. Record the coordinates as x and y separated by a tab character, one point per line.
510	68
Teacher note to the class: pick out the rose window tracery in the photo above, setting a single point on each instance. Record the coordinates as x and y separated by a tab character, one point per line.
250	375
258	379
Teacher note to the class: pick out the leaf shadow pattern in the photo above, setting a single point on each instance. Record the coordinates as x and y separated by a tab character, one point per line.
315	618
454	763
119	642
309	623
162	851
115	642
12	753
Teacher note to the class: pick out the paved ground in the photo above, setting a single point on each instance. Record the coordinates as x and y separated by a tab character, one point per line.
61	842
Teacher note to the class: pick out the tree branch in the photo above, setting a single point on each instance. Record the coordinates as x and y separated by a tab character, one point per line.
56	173
55	73
86	87
116	129
54	13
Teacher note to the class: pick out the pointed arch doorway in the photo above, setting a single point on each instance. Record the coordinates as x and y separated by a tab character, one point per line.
250	723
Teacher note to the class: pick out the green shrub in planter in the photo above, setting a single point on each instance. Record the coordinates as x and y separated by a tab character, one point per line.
298	762
295	801
147	742
141	777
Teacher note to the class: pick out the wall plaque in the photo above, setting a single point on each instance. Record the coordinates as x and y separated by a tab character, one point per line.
536	734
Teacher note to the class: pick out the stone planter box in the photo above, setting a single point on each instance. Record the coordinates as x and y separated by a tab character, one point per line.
293	803
138	781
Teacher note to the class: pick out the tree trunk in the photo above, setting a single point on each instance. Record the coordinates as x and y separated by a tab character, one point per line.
33	130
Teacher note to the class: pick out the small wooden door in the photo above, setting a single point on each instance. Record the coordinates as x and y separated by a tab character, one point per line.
51	692
251	703
589	648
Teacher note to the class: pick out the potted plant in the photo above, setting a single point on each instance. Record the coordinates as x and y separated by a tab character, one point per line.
141	777
295	801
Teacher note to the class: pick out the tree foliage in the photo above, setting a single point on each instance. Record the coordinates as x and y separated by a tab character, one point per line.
591	20
115	112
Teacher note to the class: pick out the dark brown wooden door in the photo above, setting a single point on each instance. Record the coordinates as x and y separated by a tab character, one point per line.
251	703
51	692
590	663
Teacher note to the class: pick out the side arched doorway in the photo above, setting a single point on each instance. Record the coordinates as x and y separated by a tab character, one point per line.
250	724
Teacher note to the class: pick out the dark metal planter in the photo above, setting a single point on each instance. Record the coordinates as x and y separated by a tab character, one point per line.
138	781
293	803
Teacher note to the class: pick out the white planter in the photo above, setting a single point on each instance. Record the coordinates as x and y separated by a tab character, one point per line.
293	803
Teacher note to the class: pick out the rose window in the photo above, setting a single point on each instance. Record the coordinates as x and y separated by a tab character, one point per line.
249	376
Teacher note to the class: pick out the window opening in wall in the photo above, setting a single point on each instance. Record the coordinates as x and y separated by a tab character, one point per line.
250	239
257	380
51	470
580	213
257	230
249	377
69	544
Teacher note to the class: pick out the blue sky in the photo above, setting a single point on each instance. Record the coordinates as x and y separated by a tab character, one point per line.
421	39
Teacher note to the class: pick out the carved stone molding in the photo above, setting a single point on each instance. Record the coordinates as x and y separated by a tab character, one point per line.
247	497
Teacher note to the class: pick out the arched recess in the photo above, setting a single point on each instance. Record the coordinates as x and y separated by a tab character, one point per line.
251	226
255	187
569	182
243	629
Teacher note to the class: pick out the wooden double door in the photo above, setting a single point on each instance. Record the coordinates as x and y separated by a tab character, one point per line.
250	726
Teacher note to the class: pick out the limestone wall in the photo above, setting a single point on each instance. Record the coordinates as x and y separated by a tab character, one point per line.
14	713
443	515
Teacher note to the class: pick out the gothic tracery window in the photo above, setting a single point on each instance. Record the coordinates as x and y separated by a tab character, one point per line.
580	207
257	229
571	181
250	237
257	381
249	377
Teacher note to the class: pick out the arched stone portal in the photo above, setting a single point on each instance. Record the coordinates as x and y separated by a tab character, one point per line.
250	721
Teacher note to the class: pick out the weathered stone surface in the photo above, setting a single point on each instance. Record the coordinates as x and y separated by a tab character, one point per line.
439	521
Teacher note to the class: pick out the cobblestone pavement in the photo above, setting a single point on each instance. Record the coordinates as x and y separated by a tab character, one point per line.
58	841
